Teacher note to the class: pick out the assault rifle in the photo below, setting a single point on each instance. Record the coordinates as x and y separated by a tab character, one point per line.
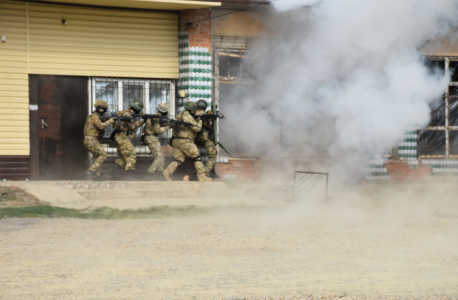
162	119
211	117
118	118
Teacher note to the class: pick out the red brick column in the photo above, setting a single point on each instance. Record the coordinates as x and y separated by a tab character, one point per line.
198	25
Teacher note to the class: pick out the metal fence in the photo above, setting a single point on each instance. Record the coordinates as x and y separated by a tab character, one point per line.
299	183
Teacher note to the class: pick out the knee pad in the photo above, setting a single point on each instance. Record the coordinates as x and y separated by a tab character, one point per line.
179	162
198	158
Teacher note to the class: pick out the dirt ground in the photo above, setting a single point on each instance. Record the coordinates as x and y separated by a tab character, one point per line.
350	248
13	196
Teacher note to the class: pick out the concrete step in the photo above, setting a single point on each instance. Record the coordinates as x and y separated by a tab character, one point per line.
159	193
169	185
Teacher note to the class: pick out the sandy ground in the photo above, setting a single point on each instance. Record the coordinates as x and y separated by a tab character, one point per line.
344	248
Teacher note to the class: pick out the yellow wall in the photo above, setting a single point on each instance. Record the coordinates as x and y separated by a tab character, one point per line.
14	83
96	42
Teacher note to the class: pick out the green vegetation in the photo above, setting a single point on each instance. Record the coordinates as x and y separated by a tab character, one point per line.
46	211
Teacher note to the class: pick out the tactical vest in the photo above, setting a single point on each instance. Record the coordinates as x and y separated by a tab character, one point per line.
182	131
125	124
149	129
90	129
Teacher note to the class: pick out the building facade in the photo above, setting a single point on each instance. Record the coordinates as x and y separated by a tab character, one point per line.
57	59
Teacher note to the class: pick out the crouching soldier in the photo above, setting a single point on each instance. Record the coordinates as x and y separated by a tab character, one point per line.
122	136
153	128
93	131
205	139
183	143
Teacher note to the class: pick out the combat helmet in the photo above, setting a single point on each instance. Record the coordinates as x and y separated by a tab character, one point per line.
202	104
137	106
191	107
100	104
163	108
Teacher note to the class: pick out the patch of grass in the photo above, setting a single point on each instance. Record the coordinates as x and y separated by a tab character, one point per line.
46	211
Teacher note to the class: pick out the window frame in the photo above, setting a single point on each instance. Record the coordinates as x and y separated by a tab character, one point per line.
146	82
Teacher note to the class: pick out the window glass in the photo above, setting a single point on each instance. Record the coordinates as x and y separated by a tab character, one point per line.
159	92
132	92
108	92
119	93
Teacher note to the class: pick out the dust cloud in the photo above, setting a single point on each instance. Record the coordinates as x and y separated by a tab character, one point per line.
342	78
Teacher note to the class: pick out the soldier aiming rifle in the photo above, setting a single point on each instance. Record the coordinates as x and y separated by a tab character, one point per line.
93	131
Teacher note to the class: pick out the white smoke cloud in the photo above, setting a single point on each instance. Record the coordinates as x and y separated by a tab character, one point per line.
342	76
283	5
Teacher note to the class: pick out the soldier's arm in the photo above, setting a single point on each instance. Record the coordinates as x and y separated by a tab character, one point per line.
196	125
162	129
134	123
101	125
210	121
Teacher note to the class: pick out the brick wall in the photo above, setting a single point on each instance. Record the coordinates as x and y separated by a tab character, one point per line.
245	170
199	31
400	171
194	42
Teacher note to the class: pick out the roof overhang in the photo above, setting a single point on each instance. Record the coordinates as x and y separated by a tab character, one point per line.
142	4
445	45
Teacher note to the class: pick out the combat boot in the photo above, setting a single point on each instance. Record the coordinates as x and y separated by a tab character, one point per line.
129	176
150	177
213	174
204	177
93	175
167	175
113	171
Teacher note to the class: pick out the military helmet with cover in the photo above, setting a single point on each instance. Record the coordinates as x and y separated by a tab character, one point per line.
202	104
163	108
137	106
101	106
101	103
191	107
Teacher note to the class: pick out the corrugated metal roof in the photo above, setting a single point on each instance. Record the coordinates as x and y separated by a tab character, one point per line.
144	4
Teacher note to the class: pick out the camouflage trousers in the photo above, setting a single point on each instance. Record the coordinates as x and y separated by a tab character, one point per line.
98	153
212	153
126	152
181	149
156	150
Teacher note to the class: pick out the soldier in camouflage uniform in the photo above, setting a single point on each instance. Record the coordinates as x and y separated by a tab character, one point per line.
122	137
183	143
153	128
93	131
205	138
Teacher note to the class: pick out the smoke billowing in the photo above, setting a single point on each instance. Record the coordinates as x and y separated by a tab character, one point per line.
339	77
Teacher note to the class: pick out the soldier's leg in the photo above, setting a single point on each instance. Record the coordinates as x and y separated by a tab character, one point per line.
120	160
179	157
98	153
191	150
156	150
128	152
212	153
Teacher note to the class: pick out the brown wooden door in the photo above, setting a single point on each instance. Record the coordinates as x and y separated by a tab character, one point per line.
56	128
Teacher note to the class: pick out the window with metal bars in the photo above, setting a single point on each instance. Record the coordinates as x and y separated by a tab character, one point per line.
440	138
120	92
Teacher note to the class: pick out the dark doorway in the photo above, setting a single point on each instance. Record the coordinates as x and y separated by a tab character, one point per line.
58	111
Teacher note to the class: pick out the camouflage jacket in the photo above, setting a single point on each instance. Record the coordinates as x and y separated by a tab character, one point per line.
206	132
187	132
152	126
127	126
94	127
